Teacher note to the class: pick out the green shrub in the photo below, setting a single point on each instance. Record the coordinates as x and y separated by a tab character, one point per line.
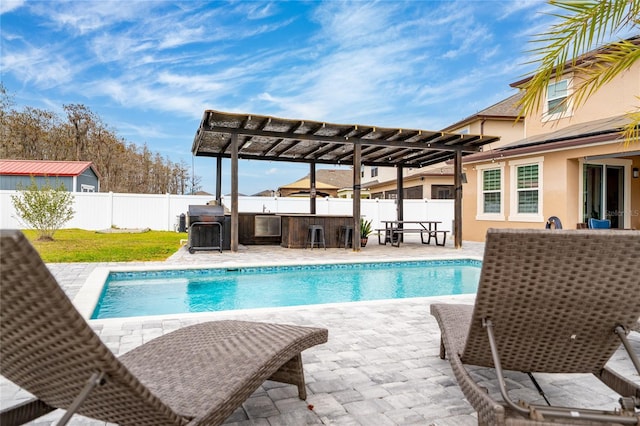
45	209
365	228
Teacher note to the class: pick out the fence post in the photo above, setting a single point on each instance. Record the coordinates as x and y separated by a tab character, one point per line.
168	212
110	209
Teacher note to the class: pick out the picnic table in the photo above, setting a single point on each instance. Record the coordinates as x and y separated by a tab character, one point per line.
394	230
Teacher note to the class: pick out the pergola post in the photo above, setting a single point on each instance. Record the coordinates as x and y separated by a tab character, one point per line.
234	192
219	180
312	189
400	198
457	215
357	164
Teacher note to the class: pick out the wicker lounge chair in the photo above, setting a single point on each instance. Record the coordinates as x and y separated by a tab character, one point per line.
195	375
548	301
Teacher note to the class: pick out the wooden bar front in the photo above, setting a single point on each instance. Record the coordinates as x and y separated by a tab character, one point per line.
295	228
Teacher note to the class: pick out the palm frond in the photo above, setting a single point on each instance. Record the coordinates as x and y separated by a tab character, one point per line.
582	25
631	132
618	57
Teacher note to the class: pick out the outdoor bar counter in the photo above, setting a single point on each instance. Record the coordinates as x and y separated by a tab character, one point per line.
295	228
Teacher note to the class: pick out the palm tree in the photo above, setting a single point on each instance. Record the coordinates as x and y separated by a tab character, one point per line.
583	25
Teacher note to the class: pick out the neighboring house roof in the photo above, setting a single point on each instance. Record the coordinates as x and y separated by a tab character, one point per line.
330	178
305	183
42	168
265	193
506	109
338	178
596	131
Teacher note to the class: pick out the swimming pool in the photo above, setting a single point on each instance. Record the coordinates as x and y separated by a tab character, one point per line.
142	293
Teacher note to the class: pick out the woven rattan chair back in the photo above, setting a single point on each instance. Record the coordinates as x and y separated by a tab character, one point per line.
48	349
554	298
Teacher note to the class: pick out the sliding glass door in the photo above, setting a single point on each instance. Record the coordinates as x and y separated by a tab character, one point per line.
603	195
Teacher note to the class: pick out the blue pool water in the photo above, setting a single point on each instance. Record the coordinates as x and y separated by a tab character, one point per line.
128	294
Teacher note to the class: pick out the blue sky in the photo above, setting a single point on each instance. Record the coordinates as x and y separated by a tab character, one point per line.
149	69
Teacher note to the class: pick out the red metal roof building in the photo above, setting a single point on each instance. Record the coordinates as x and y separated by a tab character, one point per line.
77	176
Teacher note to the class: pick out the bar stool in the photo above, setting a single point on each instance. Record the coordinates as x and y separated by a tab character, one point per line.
346	232
316	236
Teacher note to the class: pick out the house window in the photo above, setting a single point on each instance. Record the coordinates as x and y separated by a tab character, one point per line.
87	188
442	192
527	189
374	171
526	195
490	190
413	193
557	105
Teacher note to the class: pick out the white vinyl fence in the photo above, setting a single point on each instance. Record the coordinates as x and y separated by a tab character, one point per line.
103	210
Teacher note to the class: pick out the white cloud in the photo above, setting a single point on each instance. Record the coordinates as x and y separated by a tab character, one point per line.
181	37
256	11
89	16
37	66
192	84
10	5
147	97
141	132
119	48
517	7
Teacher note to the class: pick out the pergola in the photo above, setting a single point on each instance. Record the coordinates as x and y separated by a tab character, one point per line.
258	137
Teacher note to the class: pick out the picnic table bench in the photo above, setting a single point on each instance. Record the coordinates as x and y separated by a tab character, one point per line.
394	229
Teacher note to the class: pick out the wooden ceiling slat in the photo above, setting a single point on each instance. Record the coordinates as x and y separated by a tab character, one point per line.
280	139
292	144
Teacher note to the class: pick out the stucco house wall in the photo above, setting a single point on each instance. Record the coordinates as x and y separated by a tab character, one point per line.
508	130
562	176
618	97
566	147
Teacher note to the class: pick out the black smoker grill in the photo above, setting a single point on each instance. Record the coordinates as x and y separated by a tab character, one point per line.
209	228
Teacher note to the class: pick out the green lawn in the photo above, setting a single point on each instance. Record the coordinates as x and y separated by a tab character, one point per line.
76	245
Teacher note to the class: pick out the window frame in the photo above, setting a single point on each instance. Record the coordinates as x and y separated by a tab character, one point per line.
481	215
514	215
463	130
568	112
440	189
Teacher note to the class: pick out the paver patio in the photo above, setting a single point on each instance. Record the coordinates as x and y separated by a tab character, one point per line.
379	367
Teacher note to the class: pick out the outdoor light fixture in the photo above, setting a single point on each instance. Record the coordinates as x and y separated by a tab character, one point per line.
635	173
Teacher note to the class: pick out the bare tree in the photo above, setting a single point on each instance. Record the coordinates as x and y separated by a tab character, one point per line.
80	119
37	134
27	133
